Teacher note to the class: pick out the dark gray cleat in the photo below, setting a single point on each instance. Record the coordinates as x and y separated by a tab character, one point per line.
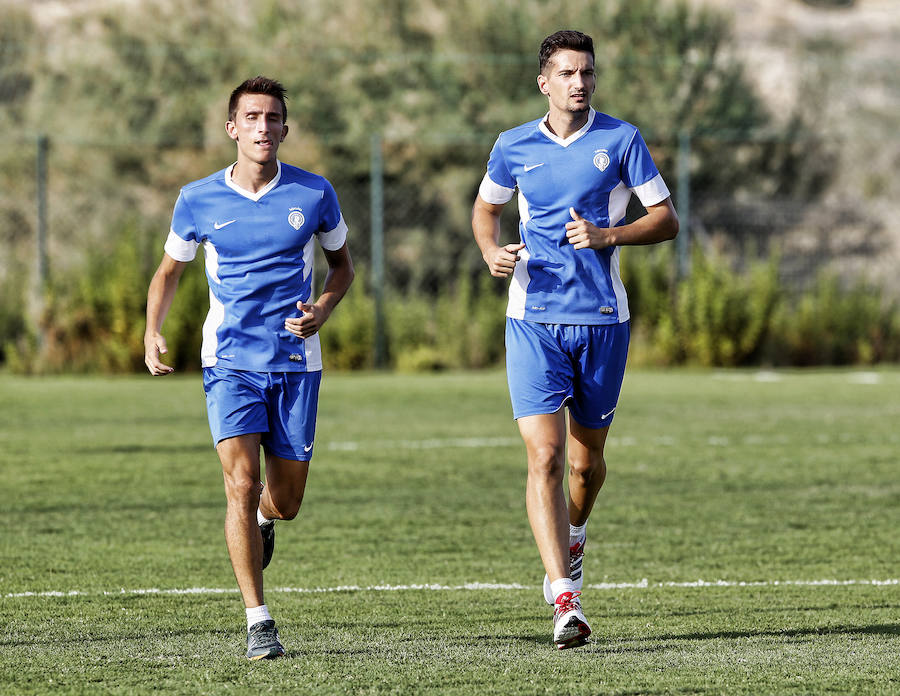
262	642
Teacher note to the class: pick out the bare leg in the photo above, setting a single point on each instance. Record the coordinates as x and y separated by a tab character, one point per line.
545	442
587	470
285	486
240	467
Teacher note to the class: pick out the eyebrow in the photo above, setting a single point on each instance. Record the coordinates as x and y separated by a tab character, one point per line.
257	112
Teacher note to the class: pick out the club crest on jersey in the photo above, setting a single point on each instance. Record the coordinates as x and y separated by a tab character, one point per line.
295	218
601	159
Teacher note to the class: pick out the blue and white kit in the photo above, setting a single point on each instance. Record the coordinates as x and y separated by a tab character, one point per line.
595	171
259	251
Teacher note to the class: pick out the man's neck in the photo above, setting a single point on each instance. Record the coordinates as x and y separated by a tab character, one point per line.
564	123
253	176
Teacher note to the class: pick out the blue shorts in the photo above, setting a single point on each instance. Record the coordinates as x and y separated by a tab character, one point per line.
280	405
548	365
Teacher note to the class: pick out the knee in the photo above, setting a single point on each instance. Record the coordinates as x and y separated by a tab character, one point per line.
241	486
285	507
588	468
546	462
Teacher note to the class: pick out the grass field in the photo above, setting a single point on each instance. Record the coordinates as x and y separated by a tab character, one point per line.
746	542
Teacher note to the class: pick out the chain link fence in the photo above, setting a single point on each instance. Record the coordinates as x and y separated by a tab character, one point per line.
54	217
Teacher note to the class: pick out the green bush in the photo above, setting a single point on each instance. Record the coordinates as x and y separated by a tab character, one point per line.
462	328
831	325
348	337
713	317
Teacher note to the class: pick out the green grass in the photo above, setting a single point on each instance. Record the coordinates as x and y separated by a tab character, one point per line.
111	486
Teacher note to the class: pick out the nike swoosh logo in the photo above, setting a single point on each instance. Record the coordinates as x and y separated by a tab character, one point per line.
307	448
529	167
607	415
219	225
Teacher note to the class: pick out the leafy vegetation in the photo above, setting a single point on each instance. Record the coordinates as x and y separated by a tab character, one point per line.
134	100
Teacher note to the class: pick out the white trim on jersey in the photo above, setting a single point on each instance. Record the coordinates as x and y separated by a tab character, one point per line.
653	192
313	353
211	257
309	258
180	249
565	142
253	196
518	287
334	239
214	319
618	286
493	193
618	203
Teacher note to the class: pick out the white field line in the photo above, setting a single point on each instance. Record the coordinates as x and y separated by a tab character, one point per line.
853	377
750	439
471	586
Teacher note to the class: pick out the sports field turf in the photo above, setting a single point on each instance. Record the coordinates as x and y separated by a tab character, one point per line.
747	542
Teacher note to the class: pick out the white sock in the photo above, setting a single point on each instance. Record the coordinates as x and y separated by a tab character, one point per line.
259	517
557	587
257	614
576	533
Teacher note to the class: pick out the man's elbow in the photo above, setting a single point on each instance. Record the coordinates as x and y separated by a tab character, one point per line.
672	225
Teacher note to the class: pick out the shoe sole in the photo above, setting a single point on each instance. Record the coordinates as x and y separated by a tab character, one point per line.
574	634
577	640
271	655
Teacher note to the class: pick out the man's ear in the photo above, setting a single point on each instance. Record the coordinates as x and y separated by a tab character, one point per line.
231	130
284	131
542	84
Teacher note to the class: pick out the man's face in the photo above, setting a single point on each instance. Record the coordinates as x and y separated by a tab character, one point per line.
569	81
257	127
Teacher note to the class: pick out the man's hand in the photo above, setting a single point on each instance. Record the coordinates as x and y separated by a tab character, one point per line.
501	260
308	323
585	235
154	347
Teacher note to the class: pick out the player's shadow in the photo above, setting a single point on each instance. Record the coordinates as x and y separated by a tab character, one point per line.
155	448
873	629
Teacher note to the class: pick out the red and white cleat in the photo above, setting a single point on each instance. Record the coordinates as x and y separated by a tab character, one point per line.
570	628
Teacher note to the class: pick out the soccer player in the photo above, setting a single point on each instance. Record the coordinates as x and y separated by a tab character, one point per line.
257	221
567	325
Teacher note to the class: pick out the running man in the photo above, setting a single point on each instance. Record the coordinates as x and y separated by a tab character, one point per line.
567	326
256	221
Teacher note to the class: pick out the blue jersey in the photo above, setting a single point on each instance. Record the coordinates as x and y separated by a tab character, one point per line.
259	254
594	171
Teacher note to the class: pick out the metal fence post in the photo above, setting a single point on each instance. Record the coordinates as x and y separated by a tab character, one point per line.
42	273
683	207
377	247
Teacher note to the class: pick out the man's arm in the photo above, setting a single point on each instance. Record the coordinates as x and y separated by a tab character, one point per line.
159	300
337	282
500	260
658	225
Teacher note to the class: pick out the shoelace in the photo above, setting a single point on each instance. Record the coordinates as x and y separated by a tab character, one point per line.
567	601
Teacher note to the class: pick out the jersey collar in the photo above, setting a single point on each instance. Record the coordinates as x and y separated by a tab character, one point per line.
229	182
565	142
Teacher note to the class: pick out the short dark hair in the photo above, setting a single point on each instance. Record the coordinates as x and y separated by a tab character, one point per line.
258	85
566	39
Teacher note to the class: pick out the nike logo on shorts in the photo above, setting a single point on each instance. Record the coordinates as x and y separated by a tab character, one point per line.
607	415
307	448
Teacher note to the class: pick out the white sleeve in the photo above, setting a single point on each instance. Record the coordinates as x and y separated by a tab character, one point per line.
180	249
653	192
494	193
334	239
